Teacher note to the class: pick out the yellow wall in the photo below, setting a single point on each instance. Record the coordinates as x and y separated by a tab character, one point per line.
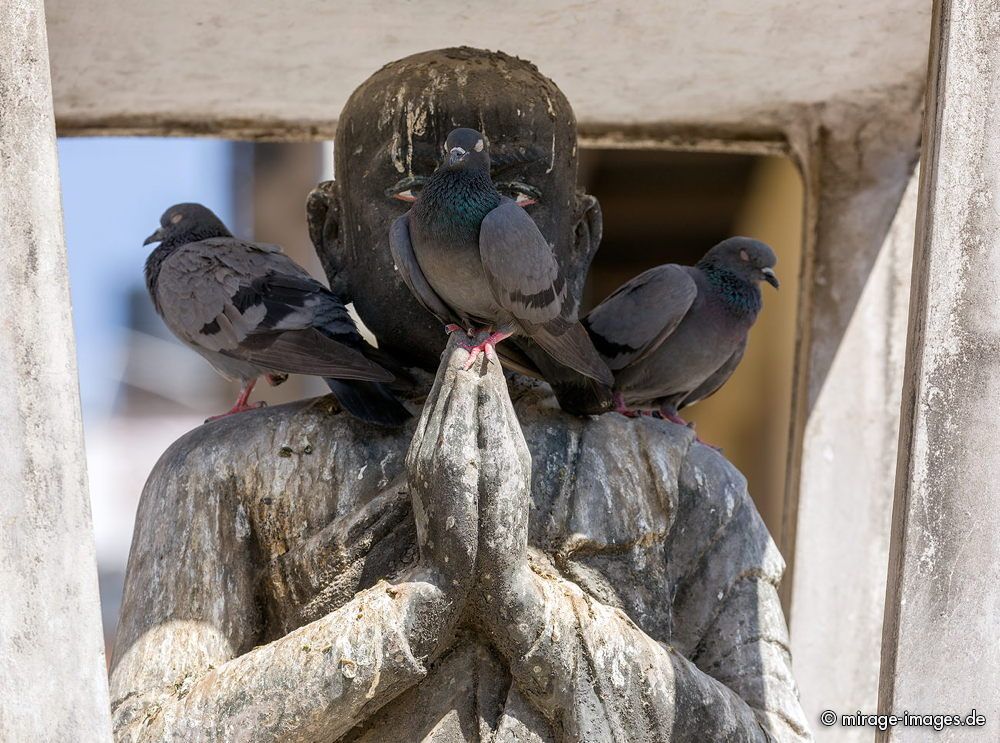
749	416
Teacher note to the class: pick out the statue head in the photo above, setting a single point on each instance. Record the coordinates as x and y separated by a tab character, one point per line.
390	138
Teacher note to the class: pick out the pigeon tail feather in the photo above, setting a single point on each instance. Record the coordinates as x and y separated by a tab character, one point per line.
583	396
371	402
309	352
573	348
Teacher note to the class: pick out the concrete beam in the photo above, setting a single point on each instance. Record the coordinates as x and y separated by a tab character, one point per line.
53	684
284	70
941	651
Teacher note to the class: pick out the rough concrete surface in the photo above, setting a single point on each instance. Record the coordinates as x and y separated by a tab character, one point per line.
845	502
52	671
941	651
264	69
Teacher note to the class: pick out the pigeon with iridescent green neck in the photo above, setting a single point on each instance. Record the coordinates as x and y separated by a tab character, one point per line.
477	260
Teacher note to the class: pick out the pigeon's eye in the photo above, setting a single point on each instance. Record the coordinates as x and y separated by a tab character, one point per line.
522	193
406	189
176	218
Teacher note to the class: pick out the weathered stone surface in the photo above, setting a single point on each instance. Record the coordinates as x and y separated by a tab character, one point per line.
849	468
679	66
52	671
941	652
293	576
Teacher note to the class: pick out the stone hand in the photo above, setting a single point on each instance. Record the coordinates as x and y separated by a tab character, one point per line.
504	491
477	455
470	476
443	477
551	633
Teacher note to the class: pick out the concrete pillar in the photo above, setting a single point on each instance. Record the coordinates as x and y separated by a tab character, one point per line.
857	164
941	651
846	495
53	684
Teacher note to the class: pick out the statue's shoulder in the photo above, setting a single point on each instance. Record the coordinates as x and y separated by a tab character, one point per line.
723	531
600	482
615	482
293	448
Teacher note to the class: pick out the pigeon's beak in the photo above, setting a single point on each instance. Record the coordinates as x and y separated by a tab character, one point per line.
455	156
769	277
154	238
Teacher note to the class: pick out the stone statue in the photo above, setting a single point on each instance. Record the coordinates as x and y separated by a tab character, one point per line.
497	571
389	140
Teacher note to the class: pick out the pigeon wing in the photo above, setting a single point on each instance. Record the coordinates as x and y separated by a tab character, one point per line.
409	269
526	281
718	378
520	266
641	314
250	301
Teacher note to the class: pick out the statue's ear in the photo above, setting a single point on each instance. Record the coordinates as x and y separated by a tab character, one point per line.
589	227
323	210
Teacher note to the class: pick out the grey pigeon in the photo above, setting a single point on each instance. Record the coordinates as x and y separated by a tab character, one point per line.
474	258
674	334
252	311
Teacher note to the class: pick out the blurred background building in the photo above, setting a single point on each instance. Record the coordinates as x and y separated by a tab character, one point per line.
141	389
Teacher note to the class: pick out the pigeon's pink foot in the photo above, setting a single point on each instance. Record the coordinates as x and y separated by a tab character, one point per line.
485	347
671	415
237	409
453	328
620	407
674	418
241	405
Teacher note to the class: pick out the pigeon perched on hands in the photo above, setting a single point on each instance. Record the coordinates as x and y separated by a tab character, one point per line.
475	259
251	311
674	334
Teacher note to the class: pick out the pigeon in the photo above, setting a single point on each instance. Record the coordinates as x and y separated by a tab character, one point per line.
476	259
674	334
251	311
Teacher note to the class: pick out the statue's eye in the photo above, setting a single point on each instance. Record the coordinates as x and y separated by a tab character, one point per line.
522	193
406	189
